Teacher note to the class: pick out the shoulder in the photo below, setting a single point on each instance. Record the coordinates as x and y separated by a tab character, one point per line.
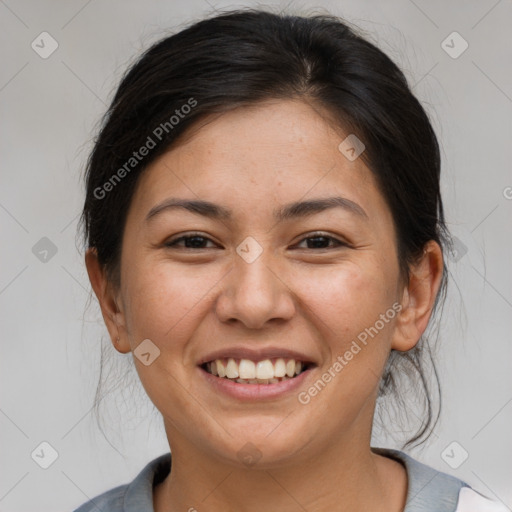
432	490
136	496
110	501
472	501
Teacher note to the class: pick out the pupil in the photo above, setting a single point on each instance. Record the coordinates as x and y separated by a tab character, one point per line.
317	241
194	241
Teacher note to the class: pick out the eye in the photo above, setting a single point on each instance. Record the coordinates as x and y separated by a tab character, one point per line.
321	241
191	241
198	241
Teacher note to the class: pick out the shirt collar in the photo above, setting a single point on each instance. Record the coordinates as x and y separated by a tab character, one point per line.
427	490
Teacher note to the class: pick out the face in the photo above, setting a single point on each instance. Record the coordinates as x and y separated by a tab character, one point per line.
253	278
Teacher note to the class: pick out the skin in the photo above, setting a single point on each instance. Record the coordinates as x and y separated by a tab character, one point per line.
188	302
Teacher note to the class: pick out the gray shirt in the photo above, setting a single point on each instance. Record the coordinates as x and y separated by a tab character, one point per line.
429	490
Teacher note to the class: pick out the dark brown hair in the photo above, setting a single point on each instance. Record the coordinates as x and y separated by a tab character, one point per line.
242	57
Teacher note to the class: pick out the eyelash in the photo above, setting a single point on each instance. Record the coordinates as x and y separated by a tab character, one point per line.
173	243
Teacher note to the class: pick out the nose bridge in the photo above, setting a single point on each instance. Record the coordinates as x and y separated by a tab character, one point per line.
253	292
254	280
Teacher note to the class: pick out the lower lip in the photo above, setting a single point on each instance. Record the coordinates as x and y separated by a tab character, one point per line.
254	391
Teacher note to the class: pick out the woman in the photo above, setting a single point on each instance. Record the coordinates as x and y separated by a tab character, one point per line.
265	233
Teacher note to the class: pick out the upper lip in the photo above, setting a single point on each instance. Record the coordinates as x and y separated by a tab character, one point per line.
255	354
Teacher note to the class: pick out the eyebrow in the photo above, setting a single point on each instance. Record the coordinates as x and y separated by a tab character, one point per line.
290	211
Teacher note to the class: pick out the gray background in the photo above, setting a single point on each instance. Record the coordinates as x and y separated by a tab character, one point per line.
51	341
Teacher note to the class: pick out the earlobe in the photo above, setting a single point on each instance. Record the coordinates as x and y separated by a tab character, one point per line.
405	335
103	289
419	297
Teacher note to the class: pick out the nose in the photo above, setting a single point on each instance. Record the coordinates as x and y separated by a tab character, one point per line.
254	294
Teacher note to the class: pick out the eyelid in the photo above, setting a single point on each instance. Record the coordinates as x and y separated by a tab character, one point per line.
304	237
171	242
320	234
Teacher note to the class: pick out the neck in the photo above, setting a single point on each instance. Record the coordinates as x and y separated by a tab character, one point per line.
346	476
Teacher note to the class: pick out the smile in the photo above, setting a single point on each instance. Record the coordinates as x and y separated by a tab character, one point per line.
246	371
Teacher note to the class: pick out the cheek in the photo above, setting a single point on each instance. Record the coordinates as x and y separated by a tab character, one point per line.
164	305
347	298
346	305
163	301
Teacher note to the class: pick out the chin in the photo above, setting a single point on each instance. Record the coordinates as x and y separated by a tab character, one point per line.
261	444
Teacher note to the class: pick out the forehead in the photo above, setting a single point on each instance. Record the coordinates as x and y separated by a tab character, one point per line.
278	134
259	156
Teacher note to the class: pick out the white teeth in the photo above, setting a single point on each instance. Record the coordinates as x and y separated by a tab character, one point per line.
220	368
232	369
290	368
247	369
262	381
261	372
265	369
280	368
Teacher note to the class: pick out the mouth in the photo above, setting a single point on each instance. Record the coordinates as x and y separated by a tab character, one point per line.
265	371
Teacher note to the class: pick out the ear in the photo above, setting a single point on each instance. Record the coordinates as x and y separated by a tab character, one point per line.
418	298
112	315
